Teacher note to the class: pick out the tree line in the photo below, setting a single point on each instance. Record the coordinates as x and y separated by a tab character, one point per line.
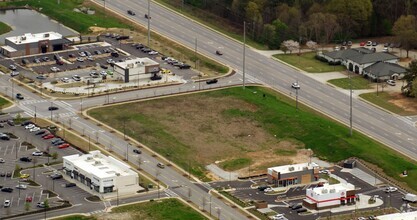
270	22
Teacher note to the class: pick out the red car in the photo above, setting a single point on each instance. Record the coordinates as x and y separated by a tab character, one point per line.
29	199
49	136
62	146
362	44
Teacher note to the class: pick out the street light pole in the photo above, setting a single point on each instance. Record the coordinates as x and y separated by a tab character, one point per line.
35	113
244	52
350	112
149	22
51	111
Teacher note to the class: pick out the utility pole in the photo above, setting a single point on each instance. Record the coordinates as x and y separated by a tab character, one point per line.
244	51
195	54
296	97
350	112
149	23
35	113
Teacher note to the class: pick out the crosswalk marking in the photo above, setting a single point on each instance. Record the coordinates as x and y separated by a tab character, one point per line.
171	193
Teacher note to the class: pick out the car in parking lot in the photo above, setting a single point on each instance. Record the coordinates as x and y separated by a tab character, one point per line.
70	185
2	160
25	159
21	186
52	108
45	59
65	80
56	176
80	59
76	78
14	73
130	12
41	77
12	67
49	136
19	96
4	137
391	82
43	131
28	199
7	189
390	189
152	52
137	151
36	60
81	54
62	146
97	52
212	81
6	203
30	126
24	176
104	66
40	205
184	66
160	165
34	129
37	153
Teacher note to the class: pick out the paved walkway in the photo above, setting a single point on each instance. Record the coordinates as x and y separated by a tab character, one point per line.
360	174
222	173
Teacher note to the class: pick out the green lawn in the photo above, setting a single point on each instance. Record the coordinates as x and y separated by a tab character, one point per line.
167	209
4	28
308	63
4	103
276	114
382	100
64	13
235	164
358	82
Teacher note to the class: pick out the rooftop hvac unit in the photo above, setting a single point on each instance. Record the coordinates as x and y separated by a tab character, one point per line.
96	162
89	158
291	168
46	35
332	190
23	37
305	168
324	191
117	174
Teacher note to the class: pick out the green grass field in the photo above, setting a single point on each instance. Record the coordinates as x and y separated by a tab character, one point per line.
358	82
276	114
4	28
64	13
167	209
308	63
4	103
76	217
382	100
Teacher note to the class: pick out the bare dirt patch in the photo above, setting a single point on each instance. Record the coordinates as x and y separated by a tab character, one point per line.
406	103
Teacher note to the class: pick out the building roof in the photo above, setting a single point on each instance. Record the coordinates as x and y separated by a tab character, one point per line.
372	57
334	188
385	69
33	38
100	165
399	216
134	63
343	54
292	168
9	48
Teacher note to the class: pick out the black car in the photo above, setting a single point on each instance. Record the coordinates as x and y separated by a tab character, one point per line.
2	174
212	81
10	122
40	132
122	37
58	143
130	12
97	52
7	189
298	206
19	96
156	77
53	108
104	66
4	137
9	174
146	50
301	210
26	123
147	17
56	176
25	159
114	54
139	46
137	151
70	185
262	188
184	66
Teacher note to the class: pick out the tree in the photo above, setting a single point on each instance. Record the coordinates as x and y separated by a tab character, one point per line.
405	29
54	155
410	88
311	45
291	45
27	206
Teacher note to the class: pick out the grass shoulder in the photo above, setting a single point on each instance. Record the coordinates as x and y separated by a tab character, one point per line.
308	62
385	101
4	28
76	217
4	103
160	209
358	82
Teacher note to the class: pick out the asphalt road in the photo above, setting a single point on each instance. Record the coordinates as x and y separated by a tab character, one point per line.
395	131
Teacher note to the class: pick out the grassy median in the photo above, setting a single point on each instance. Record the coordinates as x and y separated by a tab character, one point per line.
358	82
242	127
308	62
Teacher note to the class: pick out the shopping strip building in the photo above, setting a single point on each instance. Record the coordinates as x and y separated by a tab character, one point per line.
101	173
303	173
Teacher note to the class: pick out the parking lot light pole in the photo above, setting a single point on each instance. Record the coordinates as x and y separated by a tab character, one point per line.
149	23
35	113
51	111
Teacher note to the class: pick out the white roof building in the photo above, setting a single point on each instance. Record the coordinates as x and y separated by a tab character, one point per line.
33	38
136	69
330	195
293	168
100	172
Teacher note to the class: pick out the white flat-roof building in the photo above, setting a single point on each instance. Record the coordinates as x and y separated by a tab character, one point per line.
138	68
293	174
329	196
399	216
28	44
101	173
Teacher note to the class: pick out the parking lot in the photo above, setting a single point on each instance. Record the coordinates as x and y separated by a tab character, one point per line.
22	144
295	194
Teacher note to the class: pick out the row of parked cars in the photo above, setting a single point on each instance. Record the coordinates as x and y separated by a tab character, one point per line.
46	135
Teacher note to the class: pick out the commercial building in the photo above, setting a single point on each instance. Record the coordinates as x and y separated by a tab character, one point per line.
303	173
399	216
101	173
329	196
28	44
136	69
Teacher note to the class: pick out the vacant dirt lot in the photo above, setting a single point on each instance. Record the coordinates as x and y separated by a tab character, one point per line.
205	130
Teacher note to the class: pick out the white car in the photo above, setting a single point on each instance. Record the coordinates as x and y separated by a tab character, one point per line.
21	186
390	189
385	49
37	153
80	59
295	85
6	203
14	73
82	54
65	80
76	78
34	129
90	58
110	61
391	82
55	69
369	43
103	73
278	217
153	52
2	160
30	126
268	190
336	48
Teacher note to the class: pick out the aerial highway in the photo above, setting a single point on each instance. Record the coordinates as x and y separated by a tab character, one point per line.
395	131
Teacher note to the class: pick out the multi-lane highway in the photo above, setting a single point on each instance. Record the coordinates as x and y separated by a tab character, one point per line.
395	131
